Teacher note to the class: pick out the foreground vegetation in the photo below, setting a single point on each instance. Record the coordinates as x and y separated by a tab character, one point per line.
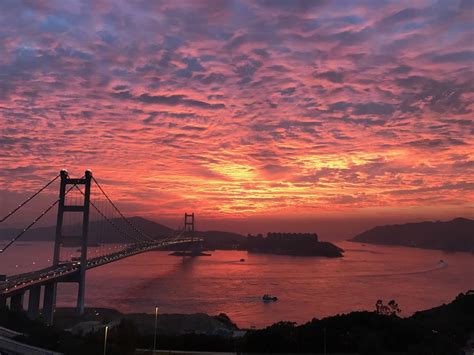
441	330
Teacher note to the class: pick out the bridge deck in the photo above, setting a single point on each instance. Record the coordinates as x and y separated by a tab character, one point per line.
68	271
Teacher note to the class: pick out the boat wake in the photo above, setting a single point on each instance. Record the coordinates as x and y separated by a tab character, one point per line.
439	266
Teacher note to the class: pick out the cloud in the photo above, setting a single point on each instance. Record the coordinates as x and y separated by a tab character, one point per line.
402	16
462	56
332	76
301	6
173	100
436	143
288	91
243	107
168	100
212	78
56	24
373	108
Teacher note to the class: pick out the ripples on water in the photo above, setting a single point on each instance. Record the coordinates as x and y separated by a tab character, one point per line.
306	287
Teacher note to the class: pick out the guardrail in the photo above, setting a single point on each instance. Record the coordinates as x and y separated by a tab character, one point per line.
16	347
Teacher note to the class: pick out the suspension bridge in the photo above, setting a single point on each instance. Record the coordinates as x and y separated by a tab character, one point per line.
45	280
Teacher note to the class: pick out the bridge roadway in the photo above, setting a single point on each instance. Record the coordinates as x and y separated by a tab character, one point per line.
69	271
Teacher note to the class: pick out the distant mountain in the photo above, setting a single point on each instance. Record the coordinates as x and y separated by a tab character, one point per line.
105	232
153	229
99	231
455	235
221	240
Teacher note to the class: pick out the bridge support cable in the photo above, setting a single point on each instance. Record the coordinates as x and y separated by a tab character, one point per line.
71	207
18	236
126	235
101	229
11	213
121	214
99	222
107	243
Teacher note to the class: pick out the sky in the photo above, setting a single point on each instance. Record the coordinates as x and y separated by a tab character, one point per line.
256	115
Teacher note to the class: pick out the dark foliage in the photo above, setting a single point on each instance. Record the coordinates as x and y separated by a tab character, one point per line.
438	331
189	342
442	330
121	340
292	244
391	309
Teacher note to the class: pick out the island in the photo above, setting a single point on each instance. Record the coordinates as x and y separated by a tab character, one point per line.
298	244
454	235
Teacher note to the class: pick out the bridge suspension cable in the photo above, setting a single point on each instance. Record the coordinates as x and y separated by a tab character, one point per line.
109	220
121	214
18	236
28	199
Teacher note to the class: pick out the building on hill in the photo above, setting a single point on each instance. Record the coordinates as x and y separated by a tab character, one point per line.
297	236
302	244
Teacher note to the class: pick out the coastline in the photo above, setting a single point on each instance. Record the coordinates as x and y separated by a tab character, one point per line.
448	327
202	323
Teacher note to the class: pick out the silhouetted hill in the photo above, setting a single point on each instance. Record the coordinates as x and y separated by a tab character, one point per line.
441	330
298	244
151	228
222	240
455	235
446	329
104	232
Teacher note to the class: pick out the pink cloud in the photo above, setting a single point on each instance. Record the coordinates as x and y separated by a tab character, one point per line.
242	108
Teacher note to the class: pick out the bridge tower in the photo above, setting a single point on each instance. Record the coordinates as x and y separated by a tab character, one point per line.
189	222
189	226
60	240
196	248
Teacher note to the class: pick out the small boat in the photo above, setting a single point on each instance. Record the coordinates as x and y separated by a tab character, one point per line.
268	298
242	260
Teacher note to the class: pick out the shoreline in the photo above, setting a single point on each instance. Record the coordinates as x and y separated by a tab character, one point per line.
356	332
447	251
203	323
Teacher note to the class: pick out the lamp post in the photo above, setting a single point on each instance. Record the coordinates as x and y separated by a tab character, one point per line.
105	339
324	340
156	324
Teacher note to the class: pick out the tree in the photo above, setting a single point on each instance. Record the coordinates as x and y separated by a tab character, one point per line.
391	309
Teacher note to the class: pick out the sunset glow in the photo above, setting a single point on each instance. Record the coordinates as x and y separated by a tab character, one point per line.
243	109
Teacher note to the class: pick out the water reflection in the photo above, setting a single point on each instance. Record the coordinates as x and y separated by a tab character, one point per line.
306	287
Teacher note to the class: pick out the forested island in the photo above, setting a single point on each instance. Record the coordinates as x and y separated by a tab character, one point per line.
299	244
454	235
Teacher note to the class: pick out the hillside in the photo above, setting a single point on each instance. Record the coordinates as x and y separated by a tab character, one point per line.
442	330
102	229
104	232
292	244
454	235
221	240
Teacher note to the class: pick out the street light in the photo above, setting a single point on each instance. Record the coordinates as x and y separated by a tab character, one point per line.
156	323
105	339
324	340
